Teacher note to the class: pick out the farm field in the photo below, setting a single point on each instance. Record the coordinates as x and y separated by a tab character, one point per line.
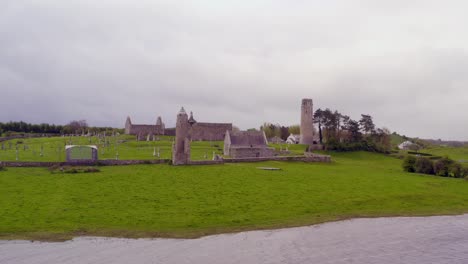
192	201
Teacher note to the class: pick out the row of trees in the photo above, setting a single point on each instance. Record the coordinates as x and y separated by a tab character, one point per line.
339	132
73	127
24	127
444	167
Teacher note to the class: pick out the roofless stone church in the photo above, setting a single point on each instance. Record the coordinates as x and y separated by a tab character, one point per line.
201	131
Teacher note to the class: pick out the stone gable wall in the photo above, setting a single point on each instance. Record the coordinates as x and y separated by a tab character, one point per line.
210	131
144	130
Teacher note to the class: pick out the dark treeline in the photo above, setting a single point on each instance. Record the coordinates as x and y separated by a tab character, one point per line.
337	131
73	127
23	127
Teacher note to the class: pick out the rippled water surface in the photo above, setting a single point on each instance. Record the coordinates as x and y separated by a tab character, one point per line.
440	239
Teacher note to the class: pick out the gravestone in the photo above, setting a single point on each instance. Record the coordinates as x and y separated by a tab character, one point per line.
77	153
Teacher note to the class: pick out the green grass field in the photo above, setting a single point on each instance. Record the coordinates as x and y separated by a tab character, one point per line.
456	153
191	201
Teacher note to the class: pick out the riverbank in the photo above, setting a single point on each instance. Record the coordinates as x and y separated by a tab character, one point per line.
438	239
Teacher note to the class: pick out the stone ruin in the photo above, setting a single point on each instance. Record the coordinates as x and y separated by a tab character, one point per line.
144	131
181	148
308	134
200	131
244	144
247	144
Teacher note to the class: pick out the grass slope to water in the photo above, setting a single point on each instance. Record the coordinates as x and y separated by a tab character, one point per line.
191	201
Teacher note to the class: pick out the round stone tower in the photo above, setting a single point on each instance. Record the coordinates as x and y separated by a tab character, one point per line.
181	149
128	126
307	122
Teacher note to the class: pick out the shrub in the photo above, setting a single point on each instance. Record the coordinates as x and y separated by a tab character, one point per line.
456	170
2	168
67	169
408	163
424	165
441	167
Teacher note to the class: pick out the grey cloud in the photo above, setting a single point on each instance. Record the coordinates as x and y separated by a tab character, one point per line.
248	62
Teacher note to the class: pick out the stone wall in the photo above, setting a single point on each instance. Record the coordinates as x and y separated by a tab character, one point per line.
144	130
169	132
210	131
85	163
206	162
314	158
251	152
307	158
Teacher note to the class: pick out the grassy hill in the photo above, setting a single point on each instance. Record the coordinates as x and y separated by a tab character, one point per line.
191	201
459	154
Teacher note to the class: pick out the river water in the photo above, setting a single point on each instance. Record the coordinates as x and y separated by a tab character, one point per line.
439	239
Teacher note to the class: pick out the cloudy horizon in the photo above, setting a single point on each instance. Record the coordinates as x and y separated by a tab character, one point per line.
245	62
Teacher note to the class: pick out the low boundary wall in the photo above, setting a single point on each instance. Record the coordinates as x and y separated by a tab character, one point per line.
311	158
94	163
306	158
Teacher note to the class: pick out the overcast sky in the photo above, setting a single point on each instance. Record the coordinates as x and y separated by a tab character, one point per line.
405	62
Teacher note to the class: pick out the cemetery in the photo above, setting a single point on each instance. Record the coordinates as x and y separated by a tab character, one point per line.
192	143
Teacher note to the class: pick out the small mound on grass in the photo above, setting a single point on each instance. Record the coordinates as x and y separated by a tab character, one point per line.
73	169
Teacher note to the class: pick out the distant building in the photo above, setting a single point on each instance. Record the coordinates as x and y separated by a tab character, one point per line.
408	145
247	144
